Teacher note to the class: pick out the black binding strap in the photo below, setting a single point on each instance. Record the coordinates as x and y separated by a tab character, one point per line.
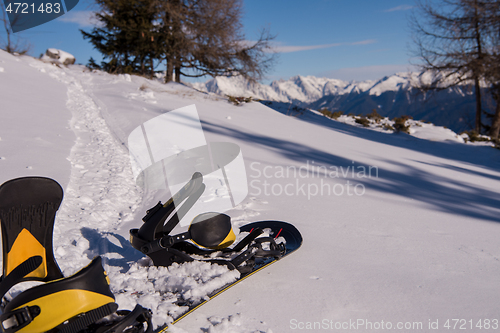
84	320
247	240
182	210
163	242
255	249
242	257
13	321
275	250
133	319
18	273
154	222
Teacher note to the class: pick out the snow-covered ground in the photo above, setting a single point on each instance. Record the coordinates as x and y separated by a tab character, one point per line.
400	231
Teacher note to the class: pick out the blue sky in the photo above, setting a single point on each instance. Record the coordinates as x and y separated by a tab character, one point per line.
348	40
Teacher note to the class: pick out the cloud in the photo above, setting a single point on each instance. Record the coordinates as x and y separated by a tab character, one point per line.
398	8
366	72
83	18
291	48
363	42
296	48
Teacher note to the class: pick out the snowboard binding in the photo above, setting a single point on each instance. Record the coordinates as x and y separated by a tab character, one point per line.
62	305
208	233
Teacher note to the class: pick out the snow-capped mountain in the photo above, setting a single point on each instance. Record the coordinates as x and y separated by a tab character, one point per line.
298	89
391	96
308	89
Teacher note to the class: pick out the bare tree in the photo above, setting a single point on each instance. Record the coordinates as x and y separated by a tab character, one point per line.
12	44
492	63
452	40
495	123
204	37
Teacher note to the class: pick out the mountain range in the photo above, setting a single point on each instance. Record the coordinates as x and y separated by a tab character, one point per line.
392	96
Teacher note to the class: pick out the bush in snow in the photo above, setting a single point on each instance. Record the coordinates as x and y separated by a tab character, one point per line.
375	116
363	121
388	127
400	124
239	100
473	136
331	114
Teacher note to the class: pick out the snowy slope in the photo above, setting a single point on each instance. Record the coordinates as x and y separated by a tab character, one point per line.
35	122
397	229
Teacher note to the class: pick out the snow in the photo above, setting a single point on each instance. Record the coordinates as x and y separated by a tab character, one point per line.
417	129
433	133
58	56
391	83
397	228
303	89
236	86
31	103
297	89
308	89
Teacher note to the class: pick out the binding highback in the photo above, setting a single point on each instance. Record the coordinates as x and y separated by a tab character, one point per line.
28	208
62	305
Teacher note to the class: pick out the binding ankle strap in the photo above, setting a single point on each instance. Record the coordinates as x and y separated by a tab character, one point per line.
28	266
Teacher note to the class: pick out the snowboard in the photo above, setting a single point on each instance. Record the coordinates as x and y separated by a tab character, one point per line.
282	232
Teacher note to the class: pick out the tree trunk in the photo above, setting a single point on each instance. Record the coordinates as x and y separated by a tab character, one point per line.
495	123
7	31
169	72
478	105
480	60
170	69
177	72
177	45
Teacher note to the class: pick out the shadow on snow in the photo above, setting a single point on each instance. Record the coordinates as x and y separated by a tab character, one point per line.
441	193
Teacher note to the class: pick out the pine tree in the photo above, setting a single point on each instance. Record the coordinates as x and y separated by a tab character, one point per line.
129	38
193	37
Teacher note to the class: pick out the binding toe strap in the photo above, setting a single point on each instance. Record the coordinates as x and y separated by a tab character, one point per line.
131	322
